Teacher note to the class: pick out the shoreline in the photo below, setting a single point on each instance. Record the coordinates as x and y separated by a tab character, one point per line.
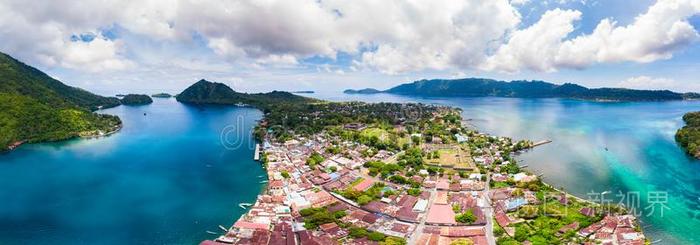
92	135
260	156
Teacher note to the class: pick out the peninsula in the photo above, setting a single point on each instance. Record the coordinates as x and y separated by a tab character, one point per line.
37	108
389	173
688	137
479	87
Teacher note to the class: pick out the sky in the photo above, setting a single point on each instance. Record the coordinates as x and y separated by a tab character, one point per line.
150	46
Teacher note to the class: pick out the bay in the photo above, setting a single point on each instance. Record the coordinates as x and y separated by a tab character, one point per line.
171	174
611	152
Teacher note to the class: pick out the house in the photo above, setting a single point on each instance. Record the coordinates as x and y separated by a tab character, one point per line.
421	206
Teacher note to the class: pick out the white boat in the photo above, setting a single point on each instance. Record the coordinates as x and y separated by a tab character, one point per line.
244	205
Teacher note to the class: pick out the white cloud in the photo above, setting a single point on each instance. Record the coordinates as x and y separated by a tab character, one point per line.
390	36
534	48
519	2
645	82
654	35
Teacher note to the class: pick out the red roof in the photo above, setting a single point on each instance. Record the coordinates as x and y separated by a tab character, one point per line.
364	185
241	224
441	214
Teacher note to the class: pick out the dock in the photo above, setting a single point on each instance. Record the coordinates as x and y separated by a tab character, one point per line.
539	143
256	157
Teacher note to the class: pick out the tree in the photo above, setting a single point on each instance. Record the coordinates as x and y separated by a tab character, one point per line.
357	232
462	241
375	236
466	217
285	174
363	199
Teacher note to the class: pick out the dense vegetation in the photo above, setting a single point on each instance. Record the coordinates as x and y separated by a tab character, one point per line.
35	107
689	135
136	99
362	91
205	92
476	87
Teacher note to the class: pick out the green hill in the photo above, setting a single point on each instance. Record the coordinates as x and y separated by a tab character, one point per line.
136	99
689	135
205	92
35	107
477	87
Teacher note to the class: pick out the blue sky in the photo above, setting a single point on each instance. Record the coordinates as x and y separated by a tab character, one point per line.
165	45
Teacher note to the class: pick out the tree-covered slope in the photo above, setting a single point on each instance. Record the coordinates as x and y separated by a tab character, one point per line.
688	136
136	99
205	92
35	107
476	87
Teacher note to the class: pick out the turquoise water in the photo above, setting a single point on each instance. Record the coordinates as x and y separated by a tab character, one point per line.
166	178
642	161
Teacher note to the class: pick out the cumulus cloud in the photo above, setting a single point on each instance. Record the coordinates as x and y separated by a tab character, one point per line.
645	82
544	46
391	36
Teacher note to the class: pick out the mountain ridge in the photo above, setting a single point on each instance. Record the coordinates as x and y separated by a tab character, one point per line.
482	87
35	107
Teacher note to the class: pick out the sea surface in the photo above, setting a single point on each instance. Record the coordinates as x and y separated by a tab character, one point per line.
170	175
179	171
602	151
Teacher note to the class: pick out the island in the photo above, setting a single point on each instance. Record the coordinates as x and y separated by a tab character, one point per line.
35	107
205	92
161	95
136	99
391	173
688	137
480	87
362	91
304	92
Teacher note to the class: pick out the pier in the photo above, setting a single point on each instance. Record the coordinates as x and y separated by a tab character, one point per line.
256	157
539	143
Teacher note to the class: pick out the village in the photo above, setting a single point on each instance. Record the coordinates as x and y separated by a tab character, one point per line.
445	184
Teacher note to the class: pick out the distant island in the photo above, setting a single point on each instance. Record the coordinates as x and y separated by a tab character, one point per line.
688	137
478	87
120	95
136	99
304	92
37	108
362	91
161	95
206	92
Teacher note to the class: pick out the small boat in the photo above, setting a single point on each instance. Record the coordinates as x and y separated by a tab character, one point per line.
244	205
263	182
213	233
222	228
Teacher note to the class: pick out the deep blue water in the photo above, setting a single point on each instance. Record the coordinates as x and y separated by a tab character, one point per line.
165	178
642	161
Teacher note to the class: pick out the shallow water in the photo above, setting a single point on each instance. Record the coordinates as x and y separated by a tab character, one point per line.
165	178
642	162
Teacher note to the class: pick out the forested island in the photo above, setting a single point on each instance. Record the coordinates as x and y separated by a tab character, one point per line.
479	87
688	137
206	92
136	99
362	91
35	107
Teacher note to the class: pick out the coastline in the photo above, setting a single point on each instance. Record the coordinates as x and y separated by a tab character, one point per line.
260	155
82	135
